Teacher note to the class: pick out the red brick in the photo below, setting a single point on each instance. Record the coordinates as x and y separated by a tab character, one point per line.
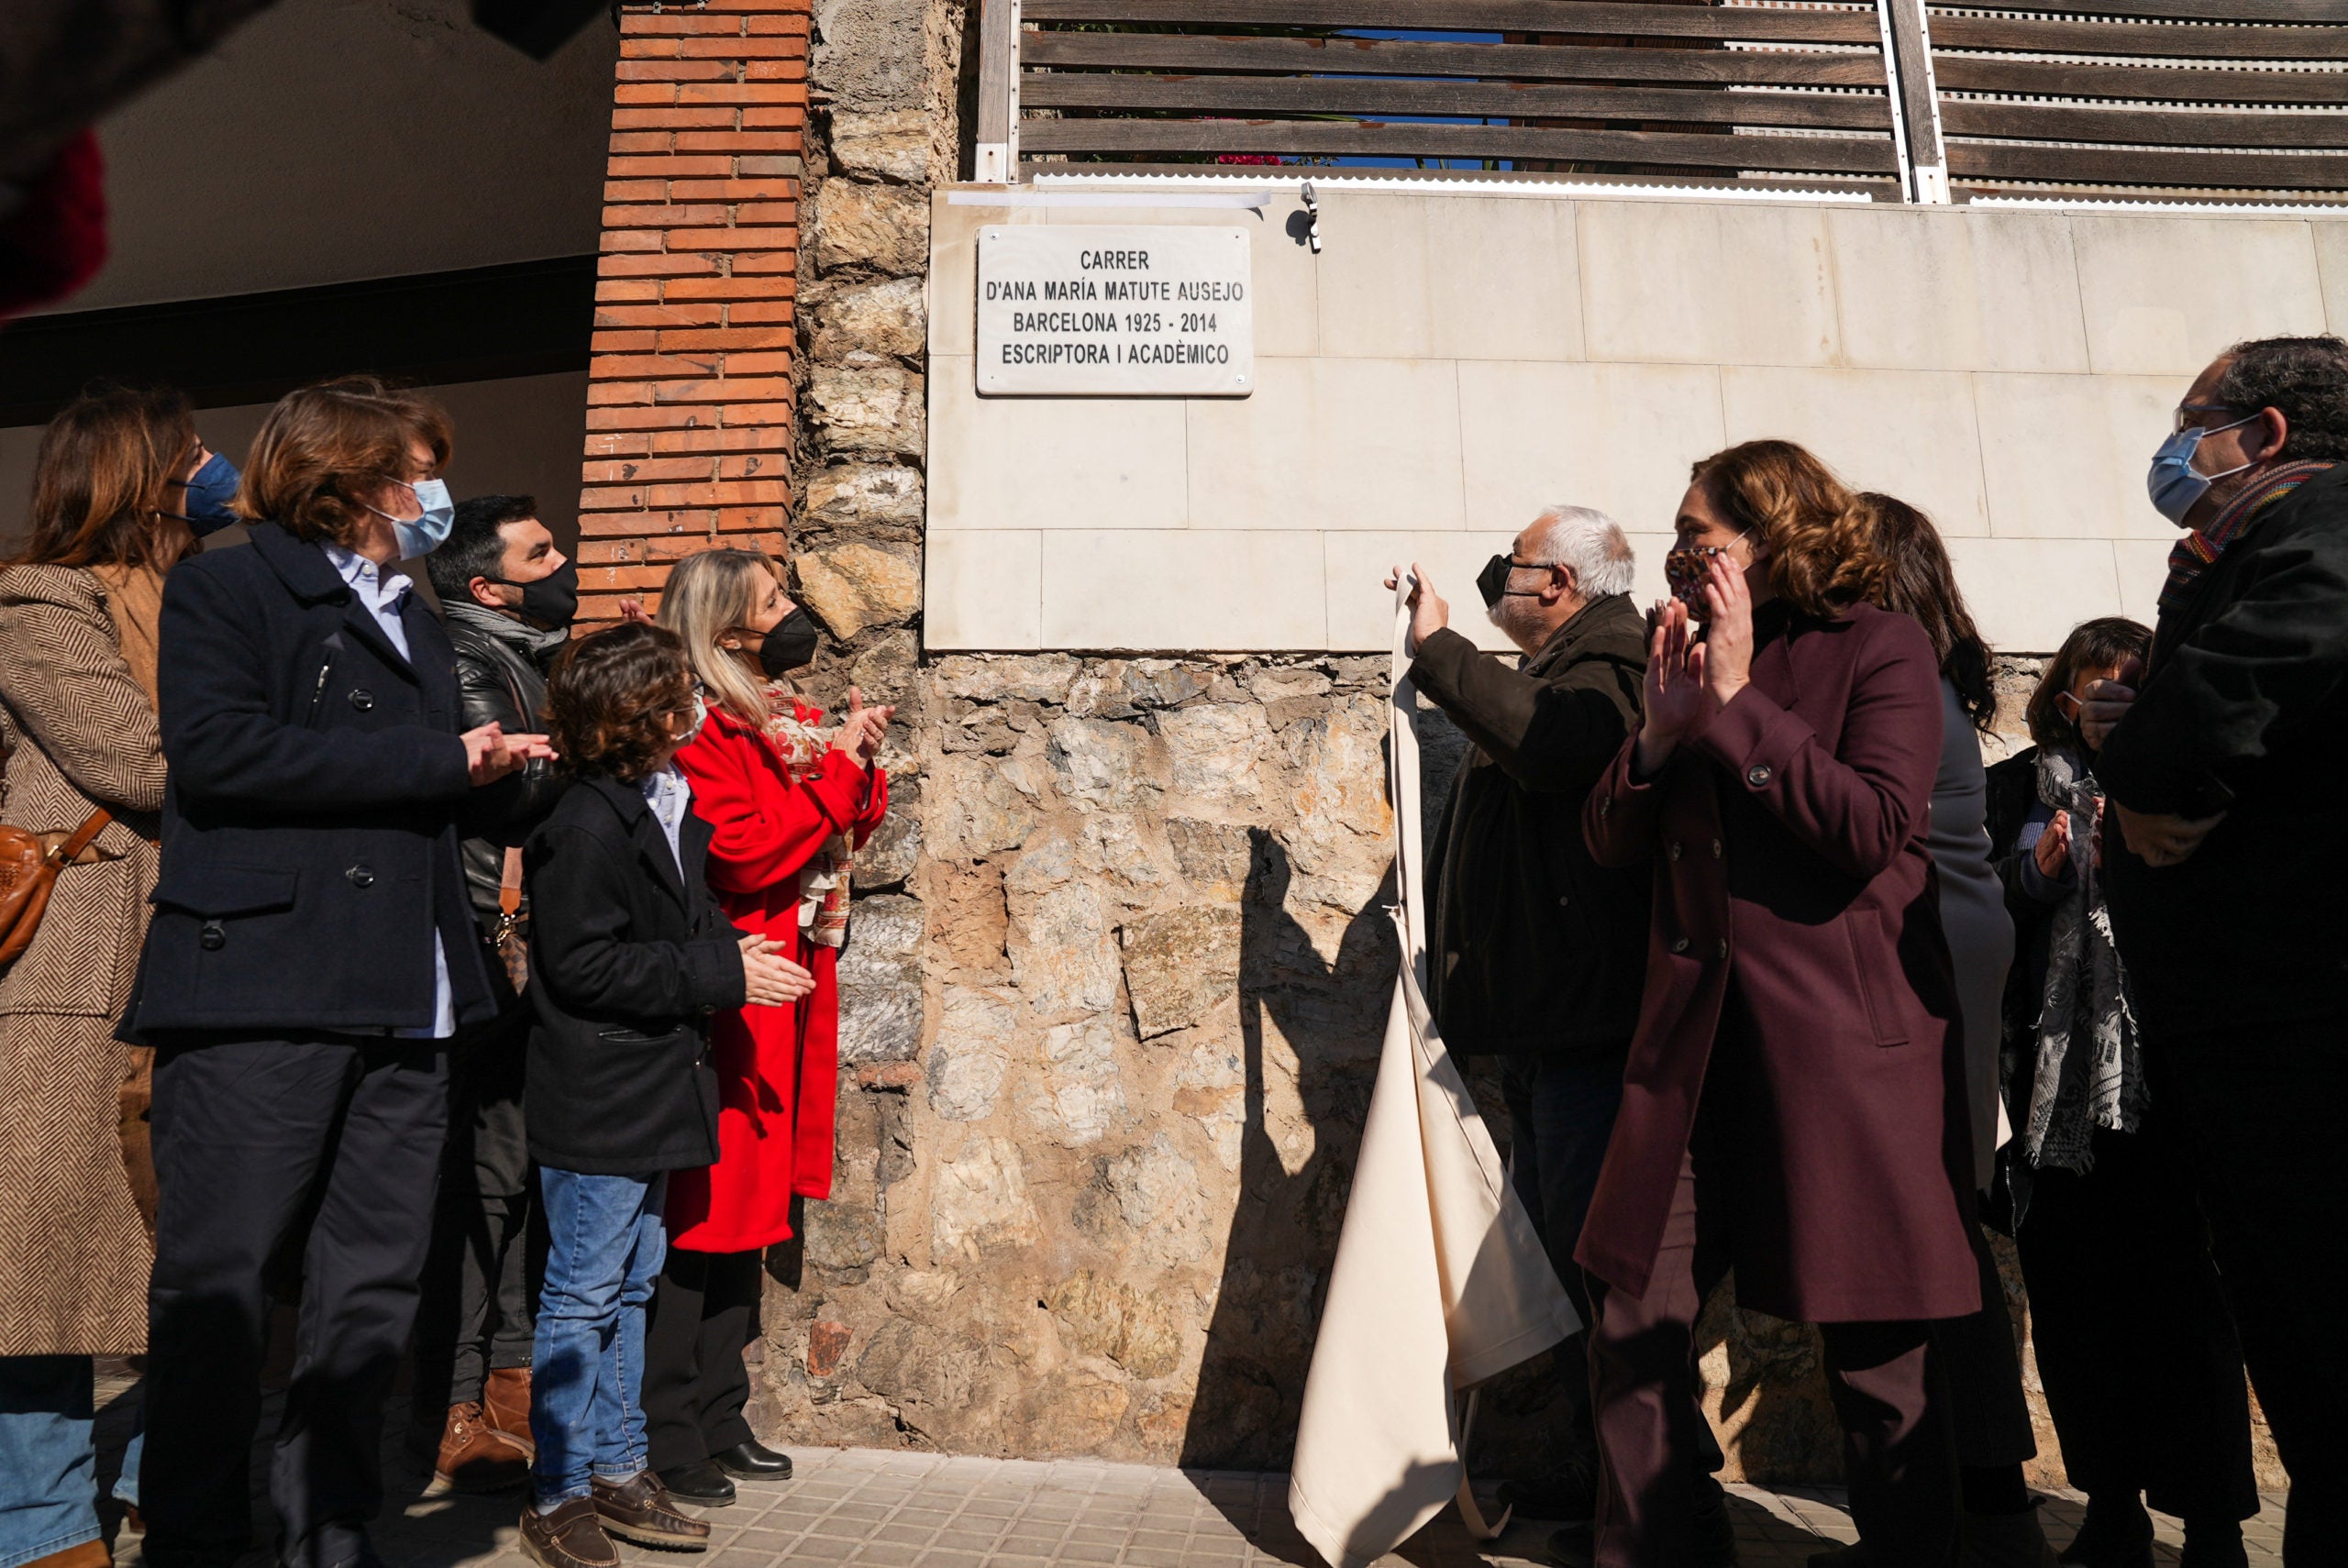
646	470
785	167
664	550
753	415
671	24
617	241
738	93
644	524
767	364
654	48
675	71
723	339
624	291
768	212
643	416
749	519
727	388
609	393
793	70
659	316
771	117
733	191
753	438
668	214
651	367
669	117
768	25
752	263
761	288
636	144
751	311
742	48
613	444
625	341
669	166
643	92
668	264
750	465
616	191
735	238
739	141
622	579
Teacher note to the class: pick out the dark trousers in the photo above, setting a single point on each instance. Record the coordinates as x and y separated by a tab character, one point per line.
1982	1372
2260	1114
705	1313
2136	1349
251	1137
1560	1116
1898	1446
489	1241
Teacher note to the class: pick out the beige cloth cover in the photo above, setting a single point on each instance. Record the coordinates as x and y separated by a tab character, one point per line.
1440	1281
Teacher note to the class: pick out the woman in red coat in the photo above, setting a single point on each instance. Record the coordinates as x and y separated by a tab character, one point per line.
788	803
1793	1106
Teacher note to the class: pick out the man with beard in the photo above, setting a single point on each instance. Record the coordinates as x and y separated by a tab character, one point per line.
508	596
1537	954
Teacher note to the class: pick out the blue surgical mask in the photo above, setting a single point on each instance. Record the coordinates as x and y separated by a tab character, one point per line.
422	536
208	494
2174	483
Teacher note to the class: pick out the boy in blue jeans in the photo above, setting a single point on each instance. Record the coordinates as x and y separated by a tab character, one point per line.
629	956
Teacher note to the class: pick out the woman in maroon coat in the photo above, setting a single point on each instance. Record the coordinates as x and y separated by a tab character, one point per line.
1793	1106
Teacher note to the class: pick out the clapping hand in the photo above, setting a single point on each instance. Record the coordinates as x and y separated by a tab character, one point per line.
1677	702
491	754
862	728
1728	633
769	980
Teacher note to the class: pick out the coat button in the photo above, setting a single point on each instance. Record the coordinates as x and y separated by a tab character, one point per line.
212	936
361	699
1563	901
1680	946
1716	849
360	877
1723	946
1674	851
1757	775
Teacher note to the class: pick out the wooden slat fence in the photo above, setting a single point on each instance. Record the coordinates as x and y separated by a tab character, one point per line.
2170	99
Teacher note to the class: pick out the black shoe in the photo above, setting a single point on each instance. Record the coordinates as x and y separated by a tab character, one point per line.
1711	1531
702	1483
753	1459
2116	1533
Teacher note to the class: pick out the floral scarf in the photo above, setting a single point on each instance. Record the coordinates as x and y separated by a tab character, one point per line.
2089	1068
792	732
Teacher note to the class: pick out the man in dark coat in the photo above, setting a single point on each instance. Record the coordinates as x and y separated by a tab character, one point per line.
507	596
2222	761
1538	952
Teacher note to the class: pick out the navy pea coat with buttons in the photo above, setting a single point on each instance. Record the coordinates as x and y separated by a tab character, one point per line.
317	792
1799	991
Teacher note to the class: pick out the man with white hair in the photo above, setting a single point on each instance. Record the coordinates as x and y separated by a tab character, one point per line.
1537	953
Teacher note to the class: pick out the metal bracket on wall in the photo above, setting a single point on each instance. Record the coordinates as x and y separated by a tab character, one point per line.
1915	100
995	159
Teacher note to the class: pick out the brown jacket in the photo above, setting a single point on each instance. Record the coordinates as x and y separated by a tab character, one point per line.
1798	985
79	733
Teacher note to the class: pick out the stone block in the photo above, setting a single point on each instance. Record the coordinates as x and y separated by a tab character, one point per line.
886	319
874	411
1160	1199
879	228
976	805
827	1343
1213	856
2045	588
971	1053
880	1023
1061	956
1911	432
1104	1318
892	144
1081	1094
1180	590
1181	964
1956	289
894	851
2068	455
854	585
872	55
1695	282
1425	277
1316	447
1103	762
863	494
1106	462
1360	607
841	1235
883	942
979	1200
1615	436
982	590
1215	749
1044	678
2142	321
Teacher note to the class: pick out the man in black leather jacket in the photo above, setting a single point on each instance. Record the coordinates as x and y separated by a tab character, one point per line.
507	596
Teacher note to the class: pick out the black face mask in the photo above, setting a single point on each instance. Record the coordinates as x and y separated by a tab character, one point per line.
552	600
789	646
1492	581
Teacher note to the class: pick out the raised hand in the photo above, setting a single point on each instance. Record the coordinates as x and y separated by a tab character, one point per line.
1677	703
491	754
1429	613
2107	702
1728	633
862	729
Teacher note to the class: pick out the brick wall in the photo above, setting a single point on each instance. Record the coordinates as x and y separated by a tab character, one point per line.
688	412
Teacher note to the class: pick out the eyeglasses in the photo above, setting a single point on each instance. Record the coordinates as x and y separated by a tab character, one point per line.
2182	420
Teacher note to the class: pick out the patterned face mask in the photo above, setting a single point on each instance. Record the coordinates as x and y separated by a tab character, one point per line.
1685	570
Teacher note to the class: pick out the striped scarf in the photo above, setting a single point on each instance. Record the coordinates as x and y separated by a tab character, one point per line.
2198	551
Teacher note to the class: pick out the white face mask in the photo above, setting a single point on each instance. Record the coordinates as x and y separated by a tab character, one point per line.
422	536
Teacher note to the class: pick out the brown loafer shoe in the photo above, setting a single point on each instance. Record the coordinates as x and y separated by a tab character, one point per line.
505	1406
641	1510
570	1537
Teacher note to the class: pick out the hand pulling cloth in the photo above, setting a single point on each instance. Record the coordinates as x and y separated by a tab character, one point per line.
1440	1282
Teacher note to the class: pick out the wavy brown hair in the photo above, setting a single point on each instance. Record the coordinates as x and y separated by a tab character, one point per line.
101	481
324	448
1922	583
607	695
1823	558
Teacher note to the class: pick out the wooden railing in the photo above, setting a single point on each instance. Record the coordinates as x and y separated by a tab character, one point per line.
2190	98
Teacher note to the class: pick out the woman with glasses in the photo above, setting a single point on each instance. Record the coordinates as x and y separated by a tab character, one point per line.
1794	1105
790	799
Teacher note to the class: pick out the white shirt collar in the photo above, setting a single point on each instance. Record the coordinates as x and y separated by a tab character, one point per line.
380	585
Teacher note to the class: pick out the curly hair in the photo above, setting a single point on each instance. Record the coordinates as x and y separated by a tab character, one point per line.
1822	556
1923	584
2305	378
2105	642
607	695
324	448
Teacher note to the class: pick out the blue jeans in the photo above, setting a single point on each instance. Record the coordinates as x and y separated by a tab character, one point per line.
125	1485
49	1456
603	1252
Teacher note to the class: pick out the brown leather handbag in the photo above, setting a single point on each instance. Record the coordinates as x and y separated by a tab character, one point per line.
29	869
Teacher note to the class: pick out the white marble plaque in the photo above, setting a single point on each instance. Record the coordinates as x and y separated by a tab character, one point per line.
1068	310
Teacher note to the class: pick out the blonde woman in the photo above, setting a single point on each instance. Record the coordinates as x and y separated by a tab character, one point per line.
77	675
789	803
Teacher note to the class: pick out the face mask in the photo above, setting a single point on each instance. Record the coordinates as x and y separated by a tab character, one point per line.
789	646
2173	482
700	717
208	494
1492	581
552	600
1686	570
422	536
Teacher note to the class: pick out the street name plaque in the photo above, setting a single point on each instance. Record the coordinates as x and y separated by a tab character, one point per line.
1072	310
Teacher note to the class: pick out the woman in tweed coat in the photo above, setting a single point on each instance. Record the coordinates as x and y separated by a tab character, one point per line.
77	672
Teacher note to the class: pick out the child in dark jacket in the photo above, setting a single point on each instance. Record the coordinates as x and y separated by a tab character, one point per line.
629	956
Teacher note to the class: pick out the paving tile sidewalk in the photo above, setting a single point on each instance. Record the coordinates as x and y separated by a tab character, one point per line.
883	1509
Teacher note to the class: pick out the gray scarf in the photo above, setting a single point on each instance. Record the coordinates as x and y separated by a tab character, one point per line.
529	642
2090	1070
